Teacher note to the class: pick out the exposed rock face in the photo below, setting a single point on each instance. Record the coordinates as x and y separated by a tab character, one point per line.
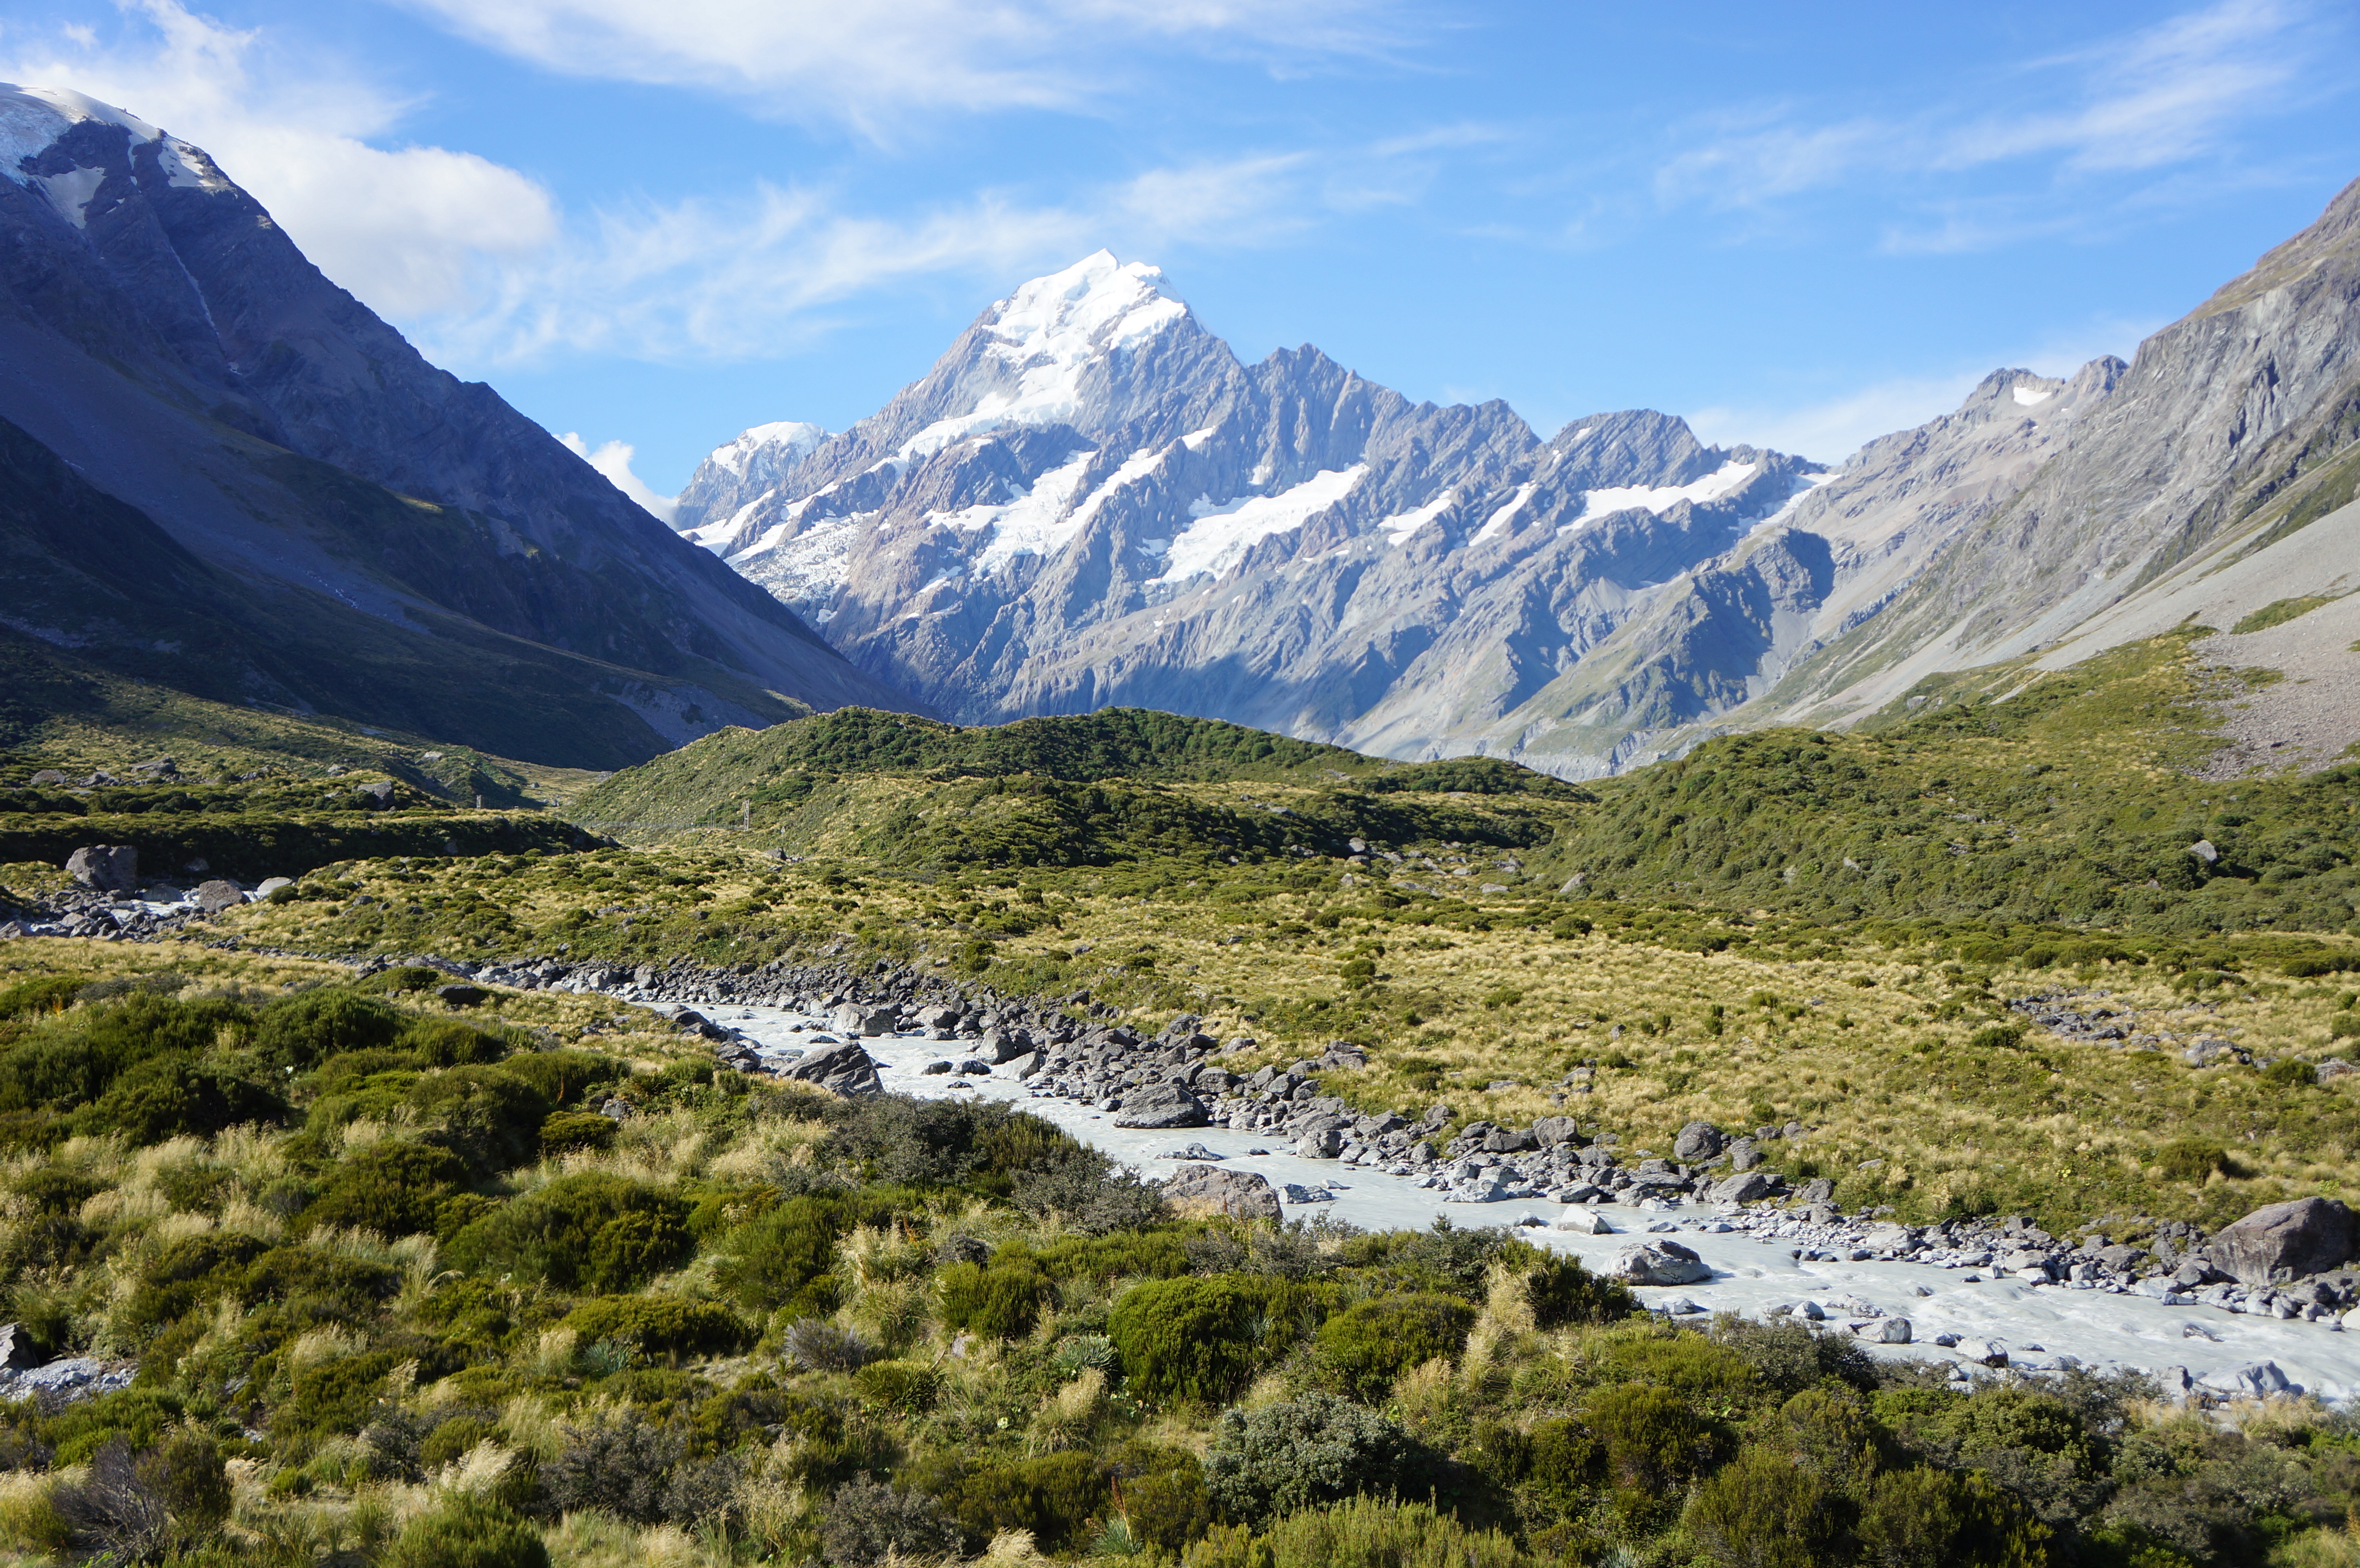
314	513
1162	1105
2305	1235
1090	501
1658	1262
848	1070
109	867
1242	1194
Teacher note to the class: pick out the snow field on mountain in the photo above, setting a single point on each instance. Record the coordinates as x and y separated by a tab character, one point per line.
1223	532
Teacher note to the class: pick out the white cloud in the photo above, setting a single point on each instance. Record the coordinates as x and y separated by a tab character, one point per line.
2168	95
613	458
871	63
408	229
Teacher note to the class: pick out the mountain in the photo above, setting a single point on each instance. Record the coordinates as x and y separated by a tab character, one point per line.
1089	501
2208	482
222	473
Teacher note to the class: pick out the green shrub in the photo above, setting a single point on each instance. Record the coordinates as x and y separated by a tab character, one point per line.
909	1385
1055	1496
571	1131
393	1189
565	1077
441	1042
467	1532
401	979
2191	1159
632	1248
335	1397
1309	1452
1561	1457
1957	1520
658	1325
1759	1511
1145	1255
2343	1026
1369	1344
453	1438
137	1417
170	1096
328	1281
779	1258
302	1031
1997	1037
1204	1338
1653	1440
2292	1073
637	1471
1560	1289
551	1234
1000	1301
1361	1531
490	1118
72	1060
1168	1509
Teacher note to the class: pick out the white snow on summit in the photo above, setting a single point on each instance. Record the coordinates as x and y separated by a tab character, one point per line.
33	117
2027	396
1039	522
774	447
1048	331
1224	530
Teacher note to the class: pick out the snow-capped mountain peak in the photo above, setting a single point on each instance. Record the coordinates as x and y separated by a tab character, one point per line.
34	120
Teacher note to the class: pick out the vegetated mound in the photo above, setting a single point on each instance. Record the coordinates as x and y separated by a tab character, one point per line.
2065	799
1090	789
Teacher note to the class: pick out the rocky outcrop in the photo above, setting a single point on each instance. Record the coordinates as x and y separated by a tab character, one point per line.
1658	1261
107	867
845	1069
1161	1103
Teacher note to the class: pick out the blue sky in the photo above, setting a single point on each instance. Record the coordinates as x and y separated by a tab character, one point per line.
654	224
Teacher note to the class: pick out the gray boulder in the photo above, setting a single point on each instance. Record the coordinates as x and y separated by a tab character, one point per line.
1698	1140
847	1069
1550	1131
869	1021
1745	1187
50	779
108	867
1162	1105
1658	1261
2282	1241
215	895
1242	1194
17	1351
374	797
1743	1155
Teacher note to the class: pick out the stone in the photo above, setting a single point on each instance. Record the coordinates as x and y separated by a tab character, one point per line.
463	995
2203	849
1888	1331
270	884
977	1066
50	779
1818	1189
108	867
375	797
1550	1131
17	1351
2122	1259
1509	1140
1658	1263
846	1069
1192	1151
1320	1143
2282	1241
1162	1105
867	1021
1296	1194
1745	1187
1212	1189
215	895
1698	1140
2332	1069
1744	1154
935	1070
1585	1222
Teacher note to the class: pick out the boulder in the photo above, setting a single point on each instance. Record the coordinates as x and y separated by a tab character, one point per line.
270	884
2282	1241
847	1069
215	895
1585	1222
1658	1262
1743	1155
16	1349
1214	1189
1509	1140
1745	1187
1162	1105
50	779
375	797
869	1021
1886	1331
108	867
1698	1140
1550	1131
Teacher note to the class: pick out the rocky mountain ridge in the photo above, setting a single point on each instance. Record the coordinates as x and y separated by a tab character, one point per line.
220	472
1089	500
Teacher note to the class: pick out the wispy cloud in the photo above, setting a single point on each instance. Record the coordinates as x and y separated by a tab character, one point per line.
2171	94
872	64
613	458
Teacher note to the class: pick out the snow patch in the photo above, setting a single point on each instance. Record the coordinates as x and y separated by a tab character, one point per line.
808	568
1497	523
1661	498
774	447
1049	332
2027	396
1223	532
71	192
33	117
1804	485
1042	521
1401	524
1194	440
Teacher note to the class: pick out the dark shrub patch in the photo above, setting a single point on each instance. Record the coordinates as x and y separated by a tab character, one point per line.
554	1234
658	1325
1054	1497
393	1189
1369	1344
1310	1452
1002	1300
